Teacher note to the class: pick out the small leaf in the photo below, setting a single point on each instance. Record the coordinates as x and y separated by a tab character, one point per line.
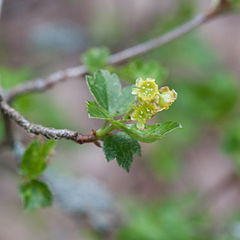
106	89
35	194
46	149
34	159
150	133
122	147
96	111
96	58
144	69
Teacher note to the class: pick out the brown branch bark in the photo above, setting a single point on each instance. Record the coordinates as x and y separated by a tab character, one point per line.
42	84
37	129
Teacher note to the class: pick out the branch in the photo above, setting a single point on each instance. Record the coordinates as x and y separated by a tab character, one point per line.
42	84
36	129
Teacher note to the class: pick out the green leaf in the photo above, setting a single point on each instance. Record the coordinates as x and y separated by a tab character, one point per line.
106	89
46	149
96	111
34	159
125	100
122	147
35	194
165	220
96	58
144	69
151	133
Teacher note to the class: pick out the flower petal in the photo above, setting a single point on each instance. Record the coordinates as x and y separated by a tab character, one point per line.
135	91
139	82
150	79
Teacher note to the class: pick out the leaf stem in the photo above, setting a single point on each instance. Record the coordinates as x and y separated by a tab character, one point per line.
103	132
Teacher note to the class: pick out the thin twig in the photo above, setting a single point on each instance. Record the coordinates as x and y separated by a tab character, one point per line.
41	84
37	129
157	42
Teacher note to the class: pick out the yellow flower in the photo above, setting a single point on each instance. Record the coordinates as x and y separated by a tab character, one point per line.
143	112
151	100
166	98
146	89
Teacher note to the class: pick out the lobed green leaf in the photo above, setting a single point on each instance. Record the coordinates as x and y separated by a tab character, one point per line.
96	111
122	147
151	133
106	89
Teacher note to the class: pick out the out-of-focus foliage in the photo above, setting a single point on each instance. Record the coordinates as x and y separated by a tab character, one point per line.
231	142
232	139
184	11
231	230
208	98
96	58
35	194
34	160
11	77
144	69
236	4
164	221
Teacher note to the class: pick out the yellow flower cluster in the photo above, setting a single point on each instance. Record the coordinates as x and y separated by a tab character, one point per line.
151	100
